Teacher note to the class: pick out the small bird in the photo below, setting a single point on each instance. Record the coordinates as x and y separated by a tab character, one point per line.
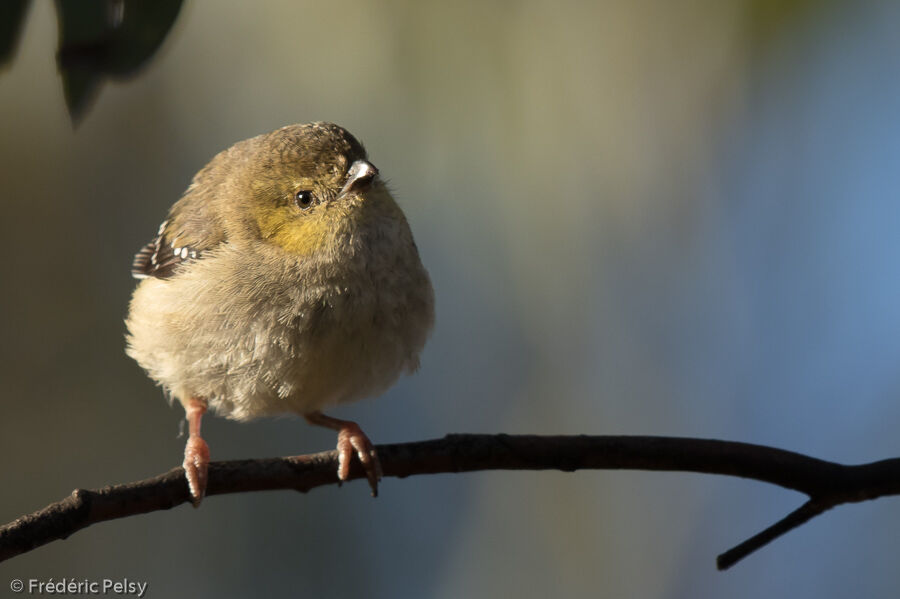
285	280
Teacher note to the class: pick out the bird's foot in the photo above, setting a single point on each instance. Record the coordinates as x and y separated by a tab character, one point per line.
352	439
196	467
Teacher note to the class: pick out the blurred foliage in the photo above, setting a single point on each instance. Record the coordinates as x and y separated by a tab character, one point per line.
767	19
107	38
98	39
11	13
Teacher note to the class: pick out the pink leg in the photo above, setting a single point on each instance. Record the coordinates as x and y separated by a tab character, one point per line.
196	452
350	439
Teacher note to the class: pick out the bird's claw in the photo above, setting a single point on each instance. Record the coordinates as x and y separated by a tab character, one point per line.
351	439
196	467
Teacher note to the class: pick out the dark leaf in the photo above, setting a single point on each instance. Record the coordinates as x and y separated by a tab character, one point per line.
12	15
107	38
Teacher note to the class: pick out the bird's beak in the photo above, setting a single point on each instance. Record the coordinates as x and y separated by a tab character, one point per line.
359	177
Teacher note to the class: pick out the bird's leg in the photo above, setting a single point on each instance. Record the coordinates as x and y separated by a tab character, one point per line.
351	439
196	452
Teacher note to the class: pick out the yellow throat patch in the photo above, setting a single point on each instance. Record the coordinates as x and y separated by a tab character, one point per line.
299	236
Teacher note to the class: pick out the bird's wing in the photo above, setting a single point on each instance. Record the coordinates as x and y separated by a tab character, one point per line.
193	227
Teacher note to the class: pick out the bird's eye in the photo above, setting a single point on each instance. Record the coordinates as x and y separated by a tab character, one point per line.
303	199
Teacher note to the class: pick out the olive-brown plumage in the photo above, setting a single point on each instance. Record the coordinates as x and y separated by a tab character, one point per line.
285	280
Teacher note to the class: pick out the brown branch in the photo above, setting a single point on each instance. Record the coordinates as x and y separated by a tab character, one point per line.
828	484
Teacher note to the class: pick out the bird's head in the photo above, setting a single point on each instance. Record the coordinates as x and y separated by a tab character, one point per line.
305	187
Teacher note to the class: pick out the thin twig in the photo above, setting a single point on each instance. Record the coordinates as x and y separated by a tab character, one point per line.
828	484
801	515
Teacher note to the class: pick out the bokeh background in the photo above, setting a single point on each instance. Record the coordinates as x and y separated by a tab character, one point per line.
640	218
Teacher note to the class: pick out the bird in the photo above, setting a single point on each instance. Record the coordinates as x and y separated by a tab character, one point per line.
285	280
